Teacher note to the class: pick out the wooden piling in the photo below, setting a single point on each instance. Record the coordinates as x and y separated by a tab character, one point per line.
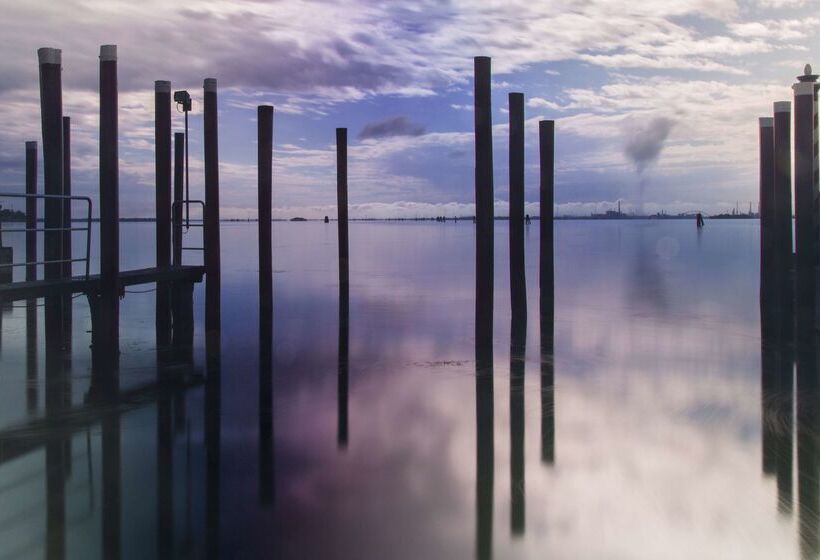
107	327
211	234
783	184
484	201
341	203
265	185
179	185
546	137
162	169
51	114
805	184
518	282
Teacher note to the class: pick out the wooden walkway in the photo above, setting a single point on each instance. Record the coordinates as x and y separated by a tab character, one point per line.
16	291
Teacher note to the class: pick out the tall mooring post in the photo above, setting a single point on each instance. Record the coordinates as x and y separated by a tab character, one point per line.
341	204
107	329
31	212
484	201
162	169
211	234
265	179
518	282
65	250
805	167
783	184
179	185
546	146
51	114
766	193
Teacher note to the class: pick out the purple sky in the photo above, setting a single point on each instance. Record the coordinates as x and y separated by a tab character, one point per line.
655	101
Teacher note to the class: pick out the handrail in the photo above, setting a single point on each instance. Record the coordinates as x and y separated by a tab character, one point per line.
177	229
87	229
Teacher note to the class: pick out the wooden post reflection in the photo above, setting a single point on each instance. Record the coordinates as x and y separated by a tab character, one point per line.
485	443
342	391
517	367
266	451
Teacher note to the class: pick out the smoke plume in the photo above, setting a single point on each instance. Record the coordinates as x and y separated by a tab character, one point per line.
645	143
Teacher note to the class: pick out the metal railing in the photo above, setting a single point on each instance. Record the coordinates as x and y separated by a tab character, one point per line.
86	229
186	222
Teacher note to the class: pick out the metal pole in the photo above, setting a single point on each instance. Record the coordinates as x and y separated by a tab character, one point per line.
265	180
211	218
66	252
484	201
518	282
51	113
341	203
109	305
546	135
179	173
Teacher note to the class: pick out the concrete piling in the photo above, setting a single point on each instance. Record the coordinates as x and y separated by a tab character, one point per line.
341	202
518	283
265	186
484	200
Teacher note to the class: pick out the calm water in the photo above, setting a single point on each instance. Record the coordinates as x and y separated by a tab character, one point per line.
650	443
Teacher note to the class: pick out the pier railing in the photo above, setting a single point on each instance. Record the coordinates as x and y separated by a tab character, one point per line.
179	222
67	228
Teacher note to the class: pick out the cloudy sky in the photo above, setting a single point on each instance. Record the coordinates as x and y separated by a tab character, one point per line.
656	101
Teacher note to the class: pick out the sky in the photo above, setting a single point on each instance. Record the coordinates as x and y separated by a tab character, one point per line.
655	102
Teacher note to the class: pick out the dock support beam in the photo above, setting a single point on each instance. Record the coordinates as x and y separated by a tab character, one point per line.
179	185
106	330
31	275
518	281
484	201
211	218
265	185
66	252
51	112
162	165
767	231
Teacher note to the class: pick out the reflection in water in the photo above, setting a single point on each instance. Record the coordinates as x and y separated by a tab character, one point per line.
266	453
213	428
485	439
111	486
344	364
165	475
518	351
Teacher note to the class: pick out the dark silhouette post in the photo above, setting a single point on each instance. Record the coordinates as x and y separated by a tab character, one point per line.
341	203
165	475
66	251
483	200
213	456
485	451
767	230
111	486
783	184
212	257
179	185
162	199
106	329
805	161
51	113
518	352
547	389
265	179
518	283
546	144
31	274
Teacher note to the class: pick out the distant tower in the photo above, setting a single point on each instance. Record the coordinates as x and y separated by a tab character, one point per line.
806	168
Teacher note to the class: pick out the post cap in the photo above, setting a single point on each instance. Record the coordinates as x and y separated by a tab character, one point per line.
108	53
162	86
209	85
766	122
48	55
782	106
